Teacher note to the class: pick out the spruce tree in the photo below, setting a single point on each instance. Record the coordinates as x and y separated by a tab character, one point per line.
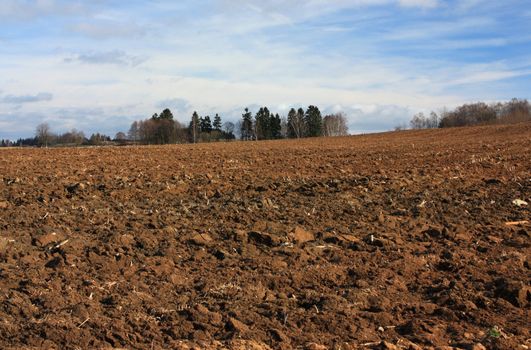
314	121
246	130
276	126
166	114
206	124
201	123
263	124
217	122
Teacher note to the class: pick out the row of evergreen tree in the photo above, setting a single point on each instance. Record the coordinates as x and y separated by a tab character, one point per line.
299	123
264	125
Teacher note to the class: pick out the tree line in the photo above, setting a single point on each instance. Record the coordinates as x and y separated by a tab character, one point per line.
266	125
163	128
479	113
44	137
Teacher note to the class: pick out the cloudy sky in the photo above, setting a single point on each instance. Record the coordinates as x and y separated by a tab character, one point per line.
97	65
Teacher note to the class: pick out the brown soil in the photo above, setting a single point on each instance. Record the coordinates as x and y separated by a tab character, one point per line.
387	241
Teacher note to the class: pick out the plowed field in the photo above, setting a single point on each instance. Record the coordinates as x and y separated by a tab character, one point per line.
408	240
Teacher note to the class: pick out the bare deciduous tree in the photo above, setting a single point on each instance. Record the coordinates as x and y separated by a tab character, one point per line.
120	136
418	121
72	137
228	127
432	122
335	125
134	132
284	129
296	123
43	134
469	114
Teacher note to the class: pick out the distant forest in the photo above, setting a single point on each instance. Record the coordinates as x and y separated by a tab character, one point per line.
480	113
163	128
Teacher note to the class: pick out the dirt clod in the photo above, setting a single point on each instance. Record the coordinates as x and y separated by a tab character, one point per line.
300	235
201	239
47	239
237	326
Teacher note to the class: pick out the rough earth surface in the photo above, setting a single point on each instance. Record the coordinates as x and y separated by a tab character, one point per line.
406	240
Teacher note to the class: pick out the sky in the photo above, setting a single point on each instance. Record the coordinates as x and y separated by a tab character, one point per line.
99	65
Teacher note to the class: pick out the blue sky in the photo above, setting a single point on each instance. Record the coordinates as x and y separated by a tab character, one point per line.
99	65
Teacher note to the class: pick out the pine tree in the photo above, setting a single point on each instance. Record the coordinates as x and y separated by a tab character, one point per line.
276	127
263	124
164	127
246	130
206	124
166	115
314	121
217	122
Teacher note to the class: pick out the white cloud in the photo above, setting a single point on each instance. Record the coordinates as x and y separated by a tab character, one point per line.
488	76
419	3
105	29
466	5
440	29
117	57
375	118
22	99
179	105
14	10
304	9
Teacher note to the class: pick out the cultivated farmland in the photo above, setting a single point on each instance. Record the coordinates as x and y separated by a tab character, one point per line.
402	240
